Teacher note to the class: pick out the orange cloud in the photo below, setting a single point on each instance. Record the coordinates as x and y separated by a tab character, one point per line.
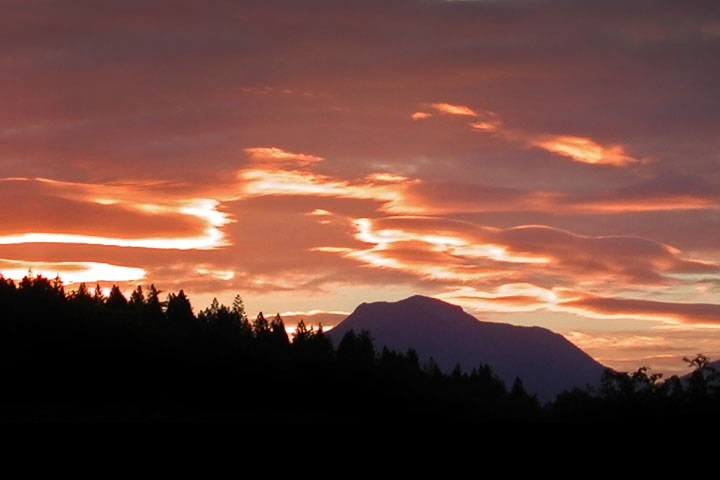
116	203
585	150
464	254
454	109
606	307
313	318
264	182
274	154
215	273
420	115
402	195
320	212
579	149
485	126
387	177
659	203
433	250
441	198
71	272
612	342
509	297
525	297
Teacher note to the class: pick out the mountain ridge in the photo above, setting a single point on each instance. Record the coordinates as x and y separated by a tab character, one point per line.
545	361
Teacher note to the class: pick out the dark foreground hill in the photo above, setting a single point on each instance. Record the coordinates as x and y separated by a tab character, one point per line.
545	361
82	357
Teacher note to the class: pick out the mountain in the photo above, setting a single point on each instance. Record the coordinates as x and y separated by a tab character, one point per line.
545	361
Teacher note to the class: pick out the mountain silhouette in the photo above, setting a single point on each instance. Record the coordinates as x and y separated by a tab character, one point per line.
545	361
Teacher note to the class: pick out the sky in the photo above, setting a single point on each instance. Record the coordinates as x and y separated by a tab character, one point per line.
538	162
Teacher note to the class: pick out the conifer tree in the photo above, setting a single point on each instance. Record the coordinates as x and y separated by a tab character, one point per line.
302	334
98	295
116	300
277	331
179	311
137	297
261	327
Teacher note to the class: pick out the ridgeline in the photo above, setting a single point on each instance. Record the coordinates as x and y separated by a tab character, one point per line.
82	356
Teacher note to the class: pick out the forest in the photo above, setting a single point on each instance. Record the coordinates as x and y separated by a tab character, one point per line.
81	356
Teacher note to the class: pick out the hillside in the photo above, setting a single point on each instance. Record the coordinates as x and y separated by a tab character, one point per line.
545	361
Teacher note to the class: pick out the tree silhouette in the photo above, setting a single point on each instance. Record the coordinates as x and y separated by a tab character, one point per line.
301	334
81	295
261	328
137	297
704	378
356	351
116	300
238	310
179	311
152	311
63	355
278	334
699	362
98	295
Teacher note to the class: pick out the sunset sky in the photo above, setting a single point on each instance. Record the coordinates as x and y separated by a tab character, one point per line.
551	163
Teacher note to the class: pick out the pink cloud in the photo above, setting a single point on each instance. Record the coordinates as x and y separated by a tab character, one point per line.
420	115
450	109
585	150
691	313
70	272
278	155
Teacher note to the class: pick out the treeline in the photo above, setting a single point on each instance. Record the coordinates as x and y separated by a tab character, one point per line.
84	356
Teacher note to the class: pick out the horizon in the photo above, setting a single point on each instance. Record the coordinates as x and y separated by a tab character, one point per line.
328	320
537	162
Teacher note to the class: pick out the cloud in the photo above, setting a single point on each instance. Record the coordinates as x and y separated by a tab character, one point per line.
119	215
70	272
691	313
449	251
420	115
385	188
485	126
320	212
578	148
449	109
314	318
278	155
522	297
585	150
507	298
631	341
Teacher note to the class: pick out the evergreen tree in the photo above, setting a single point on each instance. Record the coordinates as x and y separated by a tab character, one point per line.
82	301
322	347
116	300
238	311
222	321
8	291
137	298
81	292
261	327
58	287
277	331
179	311
153	312
98	295
301	334
356	351
238	308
